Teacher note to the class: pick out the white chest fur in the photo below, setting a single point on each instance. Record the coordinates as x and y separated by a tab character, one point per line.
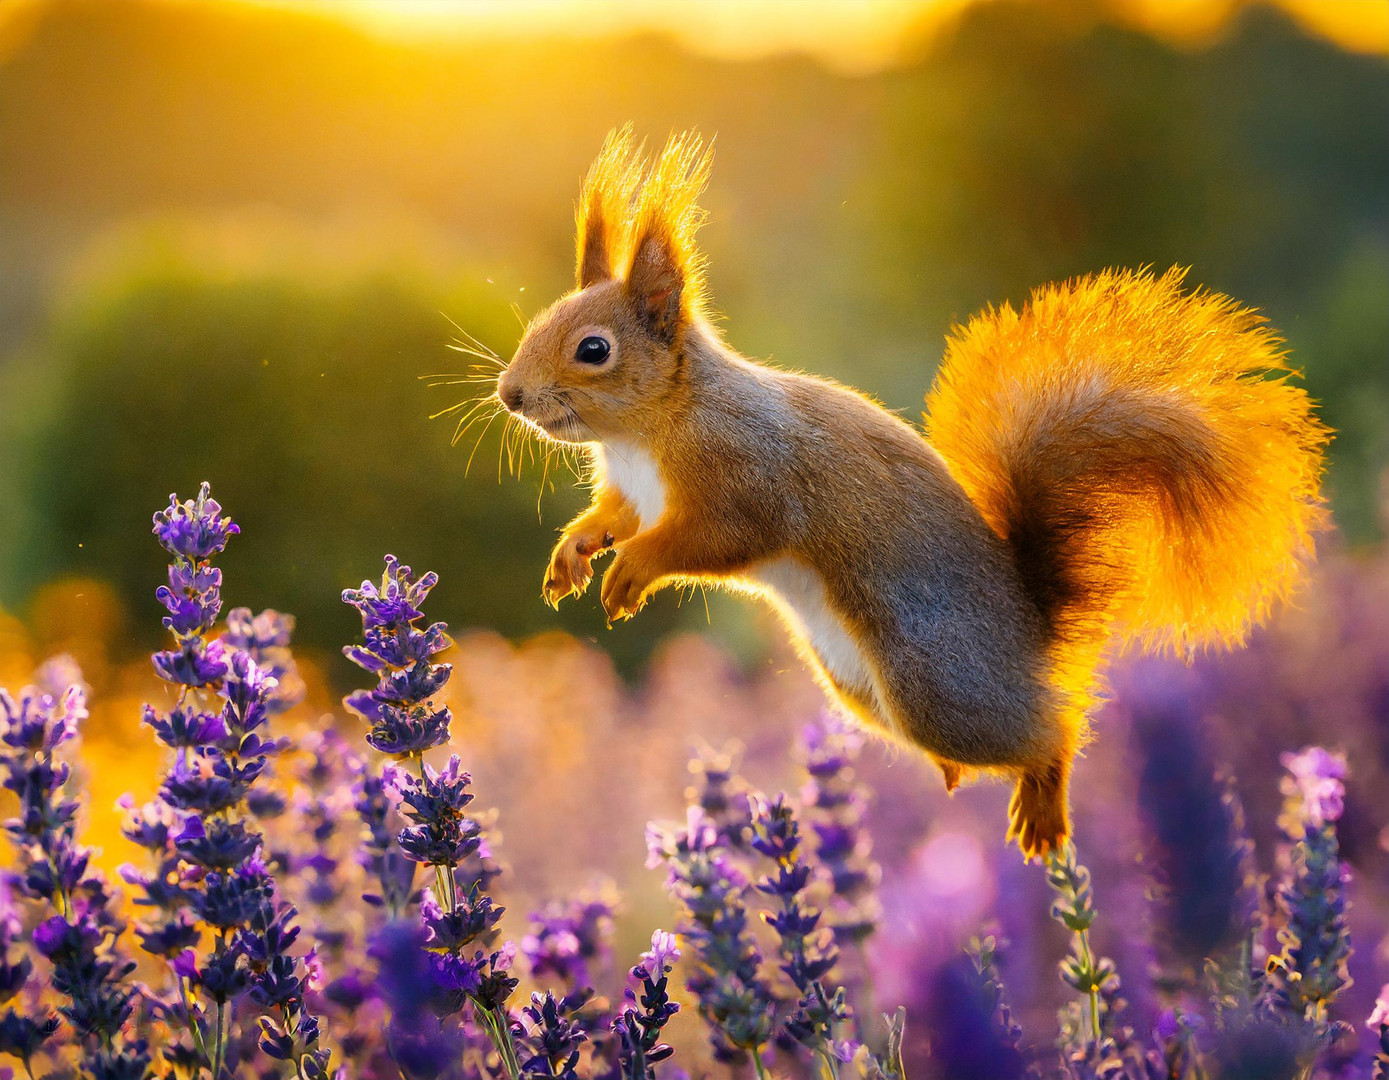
632	470
797	591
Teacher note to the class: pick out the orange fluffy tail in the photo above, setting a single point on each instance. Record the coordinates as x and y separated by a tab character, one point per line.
1143	452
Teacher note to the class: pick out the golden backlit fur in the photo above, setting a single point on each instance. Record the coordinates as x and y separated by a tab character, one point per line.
1117	462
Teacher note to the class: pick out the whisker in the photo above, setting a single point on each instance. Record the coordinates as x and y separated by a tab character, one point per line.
508	432
452	408
464	381
540	495
471	414
481	435
473	417
460	347
469	339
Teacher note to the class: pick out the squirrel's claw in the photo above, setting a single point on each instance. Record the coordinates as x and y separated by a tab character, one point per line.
570	570
623	591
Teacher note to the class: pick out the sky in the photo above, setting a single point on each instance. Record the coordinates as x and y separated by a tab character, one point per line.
854	36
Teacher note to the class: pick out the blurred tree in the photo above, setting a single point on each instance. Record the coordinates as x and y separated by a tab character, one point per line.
302	404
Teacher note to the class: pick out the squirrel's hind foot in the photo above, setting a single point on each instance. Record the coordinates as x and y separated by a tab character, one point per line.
1037	815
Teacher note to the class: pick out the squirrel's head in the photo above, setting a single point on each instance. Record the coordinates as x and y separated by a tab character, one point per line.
600	361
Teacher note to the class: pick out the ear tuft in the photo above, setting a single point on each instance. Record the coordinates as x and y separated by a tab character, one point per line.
605	208
666	276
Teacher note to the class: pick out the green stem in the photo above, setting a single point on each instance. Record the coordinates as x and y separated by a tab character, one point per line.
221	1035
193	1028
499	1031
757	1062
1084	937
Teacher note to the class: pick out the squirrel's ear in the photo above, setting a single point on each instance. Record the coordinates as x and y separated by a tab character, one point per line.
656	284
665	280
605	208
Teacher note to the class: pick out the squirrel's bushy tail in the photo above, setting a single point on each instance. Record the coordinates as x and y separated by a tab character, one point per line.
1144	454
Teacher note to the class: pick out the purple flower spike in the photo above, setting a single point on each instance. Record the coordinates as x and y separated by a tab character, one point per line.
1316	779
399	654
665	951
647	1009
395	600
194	529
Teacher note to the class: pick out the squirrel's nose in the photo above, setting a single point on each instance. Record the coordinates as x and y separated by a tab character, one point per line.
512	396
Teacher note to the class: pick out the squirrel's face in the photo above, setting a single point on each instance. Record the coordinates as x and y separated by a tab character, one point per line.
601	363
590	368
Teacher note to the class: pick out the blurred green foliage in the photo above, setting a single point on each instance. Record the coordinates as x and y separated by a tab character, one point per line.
230	238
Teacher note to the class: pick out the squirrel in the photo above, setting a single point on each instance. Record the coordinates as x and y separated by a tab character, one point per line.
1120	462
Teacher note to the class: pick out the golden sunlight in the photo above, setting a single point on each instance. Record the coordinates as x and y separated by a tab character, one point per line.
851	36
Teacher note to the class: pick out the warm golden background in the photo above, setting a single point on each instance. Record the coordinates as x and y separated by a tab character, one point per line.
232	236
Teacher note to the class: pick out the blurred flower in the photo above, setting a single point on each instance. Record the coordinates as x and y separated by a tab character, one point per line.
566	938
971	1030
835	805
1378	1023
1195	853
1259	1046
1311	970
1315	782
733	998
393	872
21	1036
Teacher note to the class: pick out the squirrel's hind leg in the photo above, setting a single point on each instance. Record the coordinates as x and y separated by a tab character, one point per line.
1038	817
952	772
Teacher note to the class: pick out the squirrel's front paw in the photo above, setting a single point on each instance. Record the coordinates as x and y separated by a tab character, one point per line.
571	566
624	588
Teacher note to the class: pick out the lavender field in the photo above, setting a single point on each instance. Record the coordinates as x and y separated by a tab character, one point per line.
494	861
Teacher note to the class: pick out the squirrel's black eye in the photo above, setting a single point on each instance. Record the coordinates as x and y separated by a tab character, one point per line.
592	350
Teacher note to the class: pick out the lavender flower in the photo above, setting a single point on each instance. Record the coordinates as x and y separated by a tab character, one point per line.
1094	977
229	691
1378	1023
733	998
566	938
399	653
192	532
807	953
440	836
80	938
461	925
722	796
835	805
20	1036
1195	853
383	860
1311	970
972	1031
647	1009
554	1040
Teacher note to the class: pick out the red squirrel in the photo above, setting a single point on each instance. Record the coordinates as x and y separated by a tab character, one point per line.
1120	462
